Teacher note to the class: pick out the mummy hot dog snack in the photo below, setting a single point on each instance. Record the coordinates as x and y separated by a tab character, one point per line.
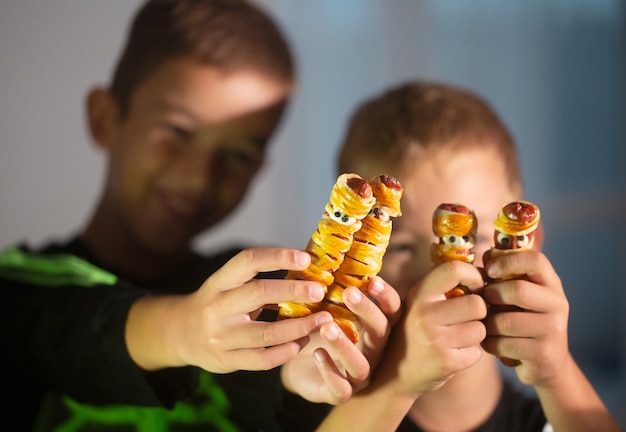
350	201
364	258
514	231
456	226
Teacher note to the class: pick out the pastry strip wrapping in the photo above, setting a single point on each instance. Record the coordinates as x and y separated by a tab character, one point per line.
364	259
455	225
350	201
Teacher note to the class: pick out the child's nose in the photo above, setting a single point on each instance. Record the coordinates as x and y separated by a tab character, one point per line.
197	169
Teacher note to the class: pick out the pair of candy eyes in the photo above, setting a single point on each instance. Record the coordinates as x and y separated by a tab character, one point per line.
507	240
459	241
502	239
344	219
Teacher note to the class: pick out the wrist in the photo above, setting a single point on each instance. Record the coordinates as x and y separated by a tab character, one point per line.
149	334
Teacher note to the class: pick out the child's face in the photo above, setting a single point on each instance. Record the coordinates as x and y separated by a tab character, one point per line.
184	155
473	177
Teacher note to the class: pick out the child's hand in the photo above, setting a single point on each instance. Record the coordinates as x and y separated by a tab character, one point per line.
437	337
214	327
535	331
331	368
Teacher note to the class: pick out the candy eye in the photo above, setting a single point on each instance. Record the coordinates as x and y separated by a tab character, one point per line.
505	241
523	241
453	240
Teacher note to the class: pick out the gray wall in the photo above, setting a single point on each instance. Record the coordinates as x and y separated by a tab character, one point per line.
553	69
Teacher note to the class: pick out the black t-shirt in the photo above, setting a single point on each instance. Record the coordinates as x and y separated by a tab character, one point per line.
516	412
63	319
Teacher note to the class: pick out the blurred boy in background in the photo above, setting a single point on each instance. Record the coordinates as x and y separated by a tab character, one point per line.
440	370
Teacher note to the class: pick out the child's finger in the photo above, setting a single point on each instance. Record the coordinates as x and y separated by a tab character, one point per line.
261	334
258	293
387	298
249	262
258	359
517	348
458	310
533	265
444	277
338	388
524	294
519	324
345	352
371	317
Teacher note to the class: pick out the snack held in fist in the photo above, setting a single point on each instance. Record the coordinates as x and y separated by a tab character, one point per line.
364	258
514	231
456	226
350	201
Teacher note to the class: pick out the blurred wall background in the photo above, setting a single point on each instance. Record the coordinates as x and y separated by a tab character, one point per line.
553	69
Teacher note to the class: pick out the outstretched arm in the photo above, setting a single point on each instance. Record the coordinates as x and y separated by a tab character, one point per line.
436	338
536	334
214	327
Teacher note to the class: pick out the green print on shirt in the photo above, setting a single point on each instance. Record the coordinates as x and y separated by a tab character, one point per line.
51	269
212	412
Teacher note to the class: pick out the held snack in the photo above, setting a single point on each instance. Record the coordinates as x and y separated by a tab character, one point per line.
456	226
364	259
350	201
514	232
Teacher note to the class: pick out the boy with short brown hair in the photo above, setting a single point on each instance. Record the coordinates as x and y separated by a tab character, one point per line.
440	370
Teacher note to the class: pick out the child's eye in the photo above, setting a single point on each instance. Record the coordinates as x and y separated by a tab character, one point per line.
400	248
241	159
178	132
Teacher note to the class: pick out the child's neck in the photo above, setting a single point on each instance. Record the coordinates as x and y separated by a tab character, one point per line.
120	254
463	403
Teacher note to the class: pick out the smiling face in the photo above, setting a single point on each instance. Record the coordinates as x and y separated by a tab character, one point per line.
474	177
182	157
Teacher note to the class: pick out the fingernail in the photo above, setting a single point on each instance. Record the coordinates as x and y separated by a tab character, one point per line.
355	296
316	292
377	287
332	332
323	318
318	356
302	258
494	270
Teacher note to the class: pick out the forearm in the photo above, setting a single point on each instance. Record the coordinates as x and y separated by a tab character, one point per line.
377	408
151	332
571	404
72	339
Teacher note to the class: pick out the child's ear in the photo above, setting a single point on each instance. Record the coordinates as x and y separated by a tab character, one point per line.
102	117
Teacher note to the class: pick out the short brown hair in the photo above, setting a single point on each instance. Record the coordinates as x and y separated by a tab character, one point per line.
429	116
228	34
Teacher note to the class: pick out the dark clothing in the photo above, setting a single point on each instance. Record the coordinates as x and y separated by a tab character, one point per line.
60	299
516	412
